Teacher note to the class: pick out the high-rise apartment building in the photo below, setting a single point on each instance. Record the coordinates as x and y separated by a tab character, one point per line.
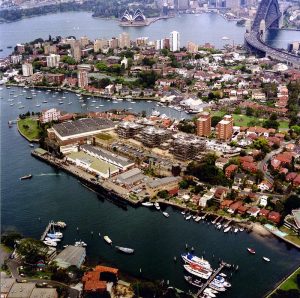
113	43
49	49
100	44
124	40
204	125
83	79
53	60
225	128
192	47
27	69
76	51
84	41
174	41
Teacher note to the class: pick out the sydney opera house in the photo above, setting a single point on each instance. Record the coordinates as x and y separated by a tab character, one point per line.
136	18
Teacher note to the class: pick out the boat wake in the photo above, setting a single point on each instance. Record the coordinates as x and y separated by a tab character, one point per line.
47	174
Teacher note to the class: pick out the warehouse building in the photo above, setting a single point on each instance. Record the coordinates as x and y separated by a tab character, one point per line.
71	256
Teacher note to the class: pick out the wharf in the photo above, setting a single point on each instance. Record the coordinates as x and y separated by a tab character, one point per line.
215	273
85	178
48	228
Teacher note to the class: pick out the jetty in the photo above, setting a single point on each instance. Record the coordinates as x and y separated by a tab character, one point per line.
212	277
51	225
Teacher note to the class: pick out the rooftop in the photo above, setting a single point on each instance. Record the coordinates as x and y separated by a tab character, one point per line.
21	290
71	255
43	293
81	126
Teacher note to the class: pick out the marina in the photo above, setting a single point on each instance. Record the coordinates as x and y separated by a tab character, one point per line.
61	196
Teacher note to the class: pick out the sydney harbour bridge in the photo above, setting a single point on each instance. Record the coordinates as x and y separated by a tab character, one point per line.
267	17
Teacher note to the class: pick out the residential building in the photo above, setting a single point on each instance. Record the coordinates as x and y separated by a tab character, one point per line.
27	69
174	41
84	41
49	49
192	47
83	79
113	43
204	125
124	40
50	115
53	60
154	137
76	51
15	59
128	130
20	48
100	44
225	128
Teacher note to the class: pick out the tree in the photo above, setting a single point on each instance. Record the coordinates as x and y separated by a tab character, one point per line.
163	194
9	238
271	124
101	66
68	59
262	144
215	120
291	203
148	61
249	111
148	78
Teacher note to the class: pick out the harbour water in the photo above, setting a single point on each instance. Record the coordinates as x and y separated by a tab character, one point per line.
52	194
200	29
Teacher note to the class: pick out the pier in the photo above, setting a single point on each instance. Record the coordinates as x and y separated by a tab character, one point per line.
48	228
215	273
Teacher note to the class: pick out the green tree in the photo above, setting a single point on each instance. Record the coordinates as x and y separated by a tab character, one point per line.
215	120
9	238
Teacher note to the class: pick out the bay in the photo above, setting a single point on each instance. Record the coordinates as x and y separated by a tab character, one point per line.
54	195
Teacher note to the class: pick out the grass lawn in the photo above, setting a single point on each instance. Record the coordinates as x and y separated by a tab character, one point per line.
291	282
291	235
29	128
104	136
243	120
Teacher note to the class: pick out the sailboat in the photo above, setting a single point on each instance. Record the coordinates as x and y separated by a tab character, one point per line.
37	104
70	102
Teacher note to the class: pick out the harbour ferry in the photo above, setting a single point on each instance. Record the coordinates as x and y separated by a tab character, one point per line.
125	249
107	239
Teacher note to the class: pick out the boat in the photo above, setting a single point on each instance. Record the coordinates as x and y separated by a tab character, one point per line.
61	224
266	259
80	243
221	280
45	101
183	212
209	293
28	97
65	246
227	229
198	271
197	283
223	274
250	250
225	38
107	239
125	249
26	177
241	229
31	145
198	218
236	230
155	113
166	214
55	235
188	217
217	287
61	102
157	206
147	204
11	104
50	243
52	239
192	259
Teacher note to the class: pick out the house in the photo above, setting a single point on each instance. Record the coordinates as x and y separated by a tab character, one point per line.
242	209
265	185
253	211
264	213
274	217
221	162
263	201
249	166
225	204
230	170
234	207
220	193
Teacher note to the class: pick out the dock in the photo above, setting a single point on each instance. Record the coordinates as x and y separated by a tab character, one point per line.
215	273
48	228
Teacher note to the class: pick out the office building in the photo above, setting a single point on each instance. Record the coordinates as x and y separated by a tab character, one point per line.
124	40
174	41
204	125
225	128
27	69
83	79
53	60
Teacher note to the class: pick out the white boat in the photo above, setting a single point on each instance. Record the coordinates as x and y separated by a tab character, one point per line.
236	230
223	274
217	287
183	212
192	259
45	101
198	218
157	206
55	235
125	249
147	204
227	229
225	38
266	259
107	239
61	224
155	113
198	271
221	280
188	217
209	293
166	214
80	243
50	243
52	239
